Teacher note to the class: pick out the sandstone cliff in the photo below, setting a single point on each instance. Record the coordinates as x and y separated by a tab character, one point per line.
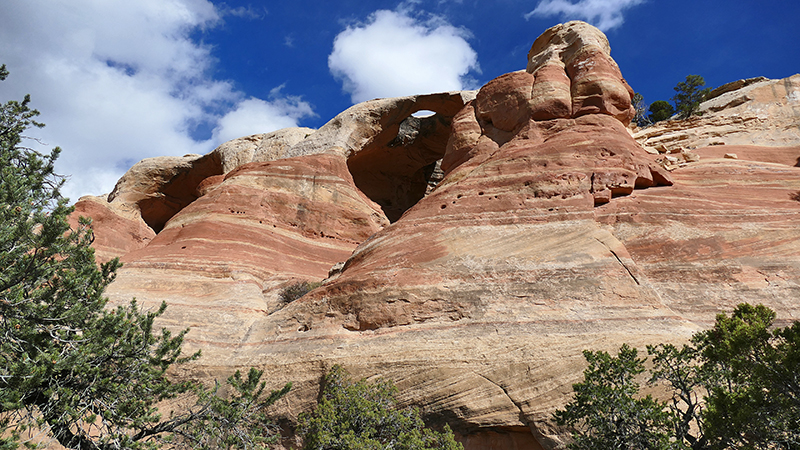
476	252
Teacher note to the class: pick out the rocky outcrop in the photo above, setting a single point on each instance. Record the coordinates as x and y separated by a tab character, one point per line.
759	112
265	226
261	147
574	75
469	255
391	154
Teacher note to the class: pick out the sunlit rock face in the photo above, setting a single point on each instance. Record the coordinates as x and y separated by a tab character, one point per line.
754	112
470	255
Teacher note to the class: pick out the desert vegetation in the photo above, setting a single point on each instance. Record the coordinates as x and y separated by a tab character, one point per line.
735	386
361	415
685	103
90	376
73	369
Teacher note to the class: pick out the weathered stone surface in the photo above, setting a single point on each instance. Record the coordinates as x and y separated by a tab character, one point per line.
725	233
222	260
262	147
762	113
116	233
390	154
590	156
593	79
551	232
155	189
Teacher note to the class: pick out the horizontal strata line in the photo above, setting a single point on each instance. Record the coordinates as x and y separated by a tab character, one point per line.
331	242
332	179
242	260
229	267
425	327
232	252
785	215
494	216
254	250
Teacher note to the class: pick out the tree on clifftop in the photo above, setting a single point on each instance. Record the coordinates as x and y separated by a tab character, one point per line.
70	368
660	110
688	96
640	107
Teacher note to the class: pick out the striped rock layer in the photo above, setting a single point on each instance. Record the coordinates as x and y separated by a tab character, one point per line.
468	256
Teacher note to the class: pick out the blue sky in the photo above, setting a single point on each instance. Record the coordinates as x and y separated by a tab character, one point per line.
117	81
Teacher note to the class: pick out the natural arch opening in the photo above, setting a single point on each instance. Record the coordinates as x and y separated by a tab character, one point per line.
400	166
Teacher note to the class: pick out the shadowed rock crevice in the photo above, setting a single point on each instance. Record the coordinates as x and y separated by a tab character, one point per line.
162	187
399	173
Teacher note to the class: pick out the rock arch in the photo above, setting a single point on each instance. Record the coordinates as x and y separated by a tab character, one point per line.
392	155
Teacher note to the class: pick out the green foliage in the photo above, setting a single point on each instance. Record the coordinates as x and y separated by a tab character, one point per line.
237	422
737	386
364	416
296	290
88	376
688	96
753	378
676	368
660	110
607	412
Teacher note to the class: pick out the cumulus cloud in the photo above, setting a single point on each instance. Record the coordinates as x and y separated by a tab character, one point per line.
253	116
604	14
119	81
396	53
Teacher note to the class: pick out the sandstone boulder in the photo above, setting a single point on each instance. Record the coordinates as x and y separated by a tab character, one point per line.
574	75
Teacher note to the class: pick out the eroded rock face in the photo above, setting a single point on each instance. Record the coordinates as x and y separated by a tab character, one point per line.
551	231
759	112
155	189
391	154
222	260
116	232
261	147
574	74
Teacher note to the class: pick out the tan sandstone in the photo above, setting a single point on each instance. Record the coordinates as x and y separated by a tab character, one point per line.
761	112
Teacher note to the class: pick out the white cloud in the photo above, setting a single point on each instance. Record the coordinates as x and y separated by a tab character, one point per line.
604	14
253	116
395	54
119	81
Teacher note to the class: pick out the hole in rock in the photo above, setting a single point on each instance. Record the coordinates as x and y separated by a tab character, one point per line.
401	165
423	113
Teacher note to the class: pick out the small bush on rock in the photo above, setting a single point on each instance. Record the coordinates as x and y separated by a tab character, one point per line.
294	291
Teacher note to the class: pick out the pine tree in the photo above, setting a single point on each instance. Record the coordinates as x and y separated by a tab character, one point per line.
660	110
736	386
360	415
72	369
606	410
688	96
